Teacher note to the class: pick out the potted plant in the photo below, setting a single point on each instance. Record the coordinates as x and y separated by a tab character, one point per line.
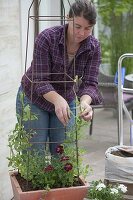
99	191
44	176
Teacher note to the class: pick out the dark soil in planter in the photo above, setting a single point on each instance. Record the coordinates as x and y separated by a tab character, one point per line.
122	153
27	185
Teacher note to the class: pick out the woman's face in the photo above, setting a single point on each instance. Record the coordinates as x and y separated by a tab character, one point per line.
79	29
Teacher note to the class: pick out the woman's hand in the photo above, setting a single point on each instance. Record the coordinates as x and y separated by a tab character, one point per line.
86	111
62	110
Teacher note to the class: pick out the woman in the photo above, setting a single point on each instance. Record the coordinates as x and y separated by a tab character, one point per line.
60	54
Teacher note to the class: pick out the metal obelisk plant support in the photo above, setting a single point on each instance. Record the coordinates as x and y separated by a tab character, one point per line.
41	174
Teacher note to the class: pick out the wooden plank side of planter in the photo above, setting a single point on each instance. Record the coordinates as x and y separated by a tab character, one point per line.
70	193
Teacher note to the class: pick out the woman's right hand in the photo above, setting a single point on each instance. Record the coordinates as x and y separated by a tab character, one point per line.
62	110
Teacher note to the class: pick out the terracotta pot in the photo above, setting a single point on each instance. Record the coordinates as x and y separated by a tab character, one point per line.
71	193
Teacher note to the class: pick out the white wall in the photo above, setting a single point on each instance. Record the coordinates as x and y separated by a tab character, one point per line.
46	8
50	9
67	5
10	72
24	7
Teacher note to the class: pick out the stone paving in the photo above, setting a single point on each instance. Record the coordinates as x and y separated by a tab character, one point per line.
104	136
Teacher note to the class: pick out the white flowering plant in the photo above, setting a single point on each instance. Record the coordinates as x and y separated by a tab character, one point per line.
99	191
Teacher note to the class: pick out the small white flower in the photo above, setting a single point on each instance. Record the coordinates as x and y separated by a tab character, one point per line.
100	186
123	188
114	191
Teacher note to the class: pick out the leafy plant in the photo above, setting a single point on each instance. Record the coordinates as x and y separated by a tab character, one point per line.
99	191
46	171
117	30
19	138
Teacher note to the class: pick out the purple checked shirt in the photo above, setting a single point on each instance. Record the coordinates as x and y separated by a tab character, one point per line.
50	69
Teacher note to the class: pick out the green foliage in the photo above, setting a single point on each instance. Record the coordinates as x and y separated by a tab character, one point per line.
113	7
116	17
105	46
46	171
99	191
18	140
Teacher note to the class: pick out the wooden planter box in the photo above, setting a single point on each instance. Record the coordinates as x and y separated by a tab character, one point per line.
70	193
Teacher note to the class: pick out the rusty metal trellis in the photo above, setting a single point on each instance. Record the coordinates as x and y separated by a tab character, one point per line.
36	18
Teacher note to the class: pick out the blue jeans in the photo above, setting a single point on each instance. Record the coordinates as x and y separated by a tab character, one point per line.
48	128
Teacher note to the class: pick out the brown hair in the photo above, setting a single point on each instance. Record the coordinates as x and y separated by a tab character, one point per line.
84	8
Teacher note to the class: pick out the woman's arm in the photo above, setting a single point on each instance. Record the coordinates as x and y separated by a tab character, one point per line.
61	106
41	69
89	84
88	90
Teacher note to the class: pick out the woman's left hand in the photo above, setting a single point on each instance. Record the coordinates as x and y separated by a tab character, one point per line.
86	111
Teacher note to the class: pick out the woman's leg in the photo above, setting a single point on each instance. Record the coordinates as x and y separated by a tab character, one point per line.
57	130
40	125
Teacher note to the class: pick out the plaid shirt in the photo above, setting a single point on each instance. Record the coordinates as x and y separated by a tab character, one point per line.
50	69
